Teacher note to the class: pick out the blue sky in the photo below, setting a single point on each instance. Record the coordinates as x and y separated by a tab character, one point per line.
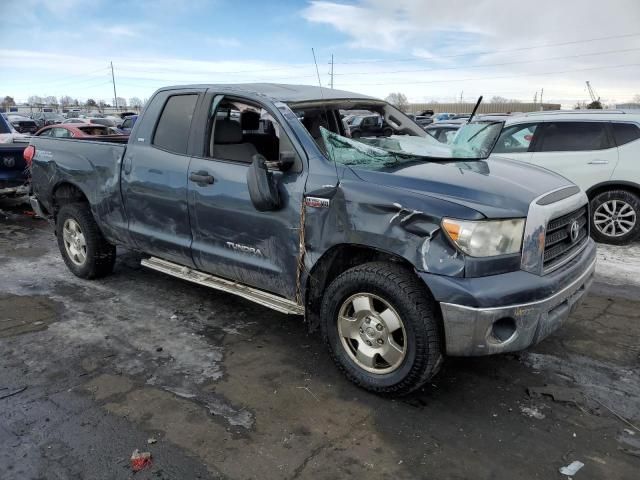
430	50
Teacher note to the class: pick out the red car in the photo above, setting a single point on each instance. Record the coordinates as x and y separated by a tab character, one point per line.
79	130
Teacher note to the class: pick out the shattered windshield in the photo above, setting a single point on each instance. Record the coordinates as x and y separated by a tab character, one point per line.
473	141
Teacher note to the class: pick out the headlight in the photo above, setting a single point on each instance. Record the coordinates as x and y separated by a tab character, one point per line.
485	238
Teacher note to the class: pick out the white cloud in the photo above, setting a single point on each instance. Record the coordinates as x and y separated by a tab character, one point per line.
474	46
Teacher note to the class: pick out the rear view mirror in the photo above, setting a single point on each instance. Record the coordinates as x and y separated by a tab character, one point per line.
263	187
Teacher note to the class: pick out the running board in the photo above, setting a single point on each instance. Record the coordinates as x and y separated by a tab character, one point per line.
263	298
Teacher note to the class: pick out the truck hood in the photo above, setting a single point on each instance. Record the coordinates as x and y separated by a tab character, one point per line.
497	187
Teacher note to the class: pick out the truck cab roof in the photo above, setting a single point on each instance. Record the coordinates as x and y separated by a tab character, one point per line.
286	93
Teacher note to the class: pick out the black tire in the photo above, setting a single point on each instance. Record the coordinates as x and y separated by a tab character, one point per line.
387	132
356	134
597	207
100	254
401	289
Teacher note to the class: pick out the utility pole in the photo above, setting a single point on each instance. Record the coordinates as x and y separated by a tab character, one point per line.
115	97
332	71
541	93
535	98
461	96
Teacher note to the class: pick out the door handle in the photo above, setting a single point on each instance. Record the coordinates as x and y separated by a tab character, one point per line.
128	162
598	162
201	177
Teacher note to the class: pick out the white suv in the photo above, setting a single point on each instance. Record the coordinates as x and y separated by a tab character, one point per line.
599	150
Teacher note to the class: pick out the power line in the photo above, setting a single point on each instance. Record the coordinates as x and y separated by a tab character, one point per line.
491	52
499	77
518	62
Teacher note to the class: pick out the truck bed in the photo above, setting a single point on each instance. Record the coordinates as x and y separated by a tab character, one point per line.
92	166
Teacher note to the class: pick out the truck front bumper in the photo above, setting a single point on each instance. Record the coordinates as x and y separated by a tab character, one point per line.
473	327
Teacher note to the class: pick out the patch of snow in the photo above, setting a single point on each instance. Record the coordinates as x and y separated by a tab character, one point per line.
619	265
532	412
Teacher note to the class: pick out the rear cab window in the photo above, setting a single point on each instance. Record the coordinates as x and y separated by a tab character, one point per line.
174	124
624	133
574	137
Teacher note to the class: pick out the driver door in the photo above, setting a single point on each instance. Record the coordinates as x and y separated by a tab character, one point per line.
232	239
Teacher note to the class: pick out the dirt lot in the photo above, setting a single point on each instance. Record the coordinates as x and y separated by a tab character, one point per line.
228	389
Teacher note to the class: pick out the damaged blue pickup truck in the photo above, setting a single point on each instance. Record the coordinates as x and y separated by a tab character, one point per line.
399	250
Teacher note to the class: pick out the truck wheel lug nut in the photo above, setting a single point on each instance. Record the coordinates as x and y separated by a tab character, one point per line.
380	341
368	321
379	327
368	343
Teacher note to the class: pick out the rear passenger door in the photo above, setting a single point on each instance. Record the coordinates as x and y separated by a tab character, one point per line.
154	177
232	239
584	152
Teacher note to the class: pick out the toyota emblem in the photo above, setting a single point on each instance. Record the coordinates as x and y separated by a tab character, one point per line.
9	162
574	231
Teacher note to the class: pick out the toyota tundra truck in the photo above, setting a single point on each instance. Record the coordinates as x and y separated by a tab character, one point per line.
399	250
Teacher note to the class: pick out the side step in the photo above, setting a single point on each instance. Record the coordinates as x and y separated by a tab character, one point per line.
263	298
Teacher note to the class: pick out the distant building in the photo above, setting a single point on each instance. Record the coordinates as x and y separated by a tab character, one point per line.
484	107
628	106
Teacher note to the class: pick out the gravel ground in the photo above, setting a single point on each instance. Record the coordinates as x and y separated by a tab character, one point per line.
217	387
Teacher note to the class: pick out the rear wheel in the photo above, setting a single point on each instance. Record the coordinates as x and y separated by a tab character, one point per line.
381	329
85	251
387	132
356	134
615	217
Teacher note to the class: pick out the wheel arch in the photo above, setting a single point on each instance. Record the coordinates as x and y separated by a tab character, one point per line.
66	192
613	185
337	260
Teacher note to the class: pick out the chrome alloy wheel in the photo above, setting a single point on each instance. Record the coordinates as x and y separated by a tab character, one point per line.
614	218
372	333
74	242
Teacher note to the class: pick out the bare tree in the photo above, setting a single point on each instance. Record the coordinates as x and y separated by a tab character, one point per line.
51	101
65	100
121	102
34	100
8	102
398	100
636	99
91	103
135	102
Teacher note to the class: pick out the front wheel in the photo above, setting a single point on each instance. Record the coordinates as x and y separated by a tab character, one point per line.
614	217
85	251
380	326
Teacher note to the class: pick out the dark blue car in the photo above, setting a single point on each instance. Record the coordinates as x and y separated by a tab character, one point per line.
128	123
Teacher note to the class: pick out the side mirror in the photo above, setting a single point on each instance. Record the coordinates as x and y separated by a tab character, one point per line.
263	187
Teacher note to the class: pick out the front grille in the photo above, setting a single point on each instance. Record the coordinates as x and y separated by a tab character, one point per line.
558	243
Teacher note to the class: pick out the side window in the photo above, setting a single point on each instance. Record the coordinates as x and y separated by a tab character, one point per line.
516	138
46	133
241	129
60	133
625	132
172	131
575	137
126	123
